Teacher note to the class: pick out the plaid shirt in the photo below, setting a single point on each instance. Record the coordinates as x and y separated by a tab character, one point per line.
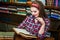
30	25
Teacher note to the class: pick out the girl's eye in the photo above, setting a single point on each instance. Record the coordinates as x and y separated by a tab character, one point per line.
33	11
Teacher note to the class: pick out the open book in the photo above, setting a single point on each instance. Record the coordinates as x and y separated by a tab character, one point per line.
23	33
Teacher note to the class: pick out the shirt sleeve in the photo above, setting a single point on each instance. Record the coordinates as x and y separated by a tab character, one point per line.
23	24
47	24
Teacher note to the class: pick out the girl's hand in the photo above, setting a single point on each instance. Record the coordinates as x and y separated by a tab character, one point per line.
41	31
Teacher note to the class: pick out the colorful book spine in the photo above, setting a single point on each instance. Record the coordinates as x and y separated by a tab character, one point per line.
56	3
22	0
12	1
50	2
5	0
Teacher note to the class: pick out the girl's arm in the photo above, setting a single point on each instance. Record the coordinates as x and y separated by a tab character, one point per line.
41	31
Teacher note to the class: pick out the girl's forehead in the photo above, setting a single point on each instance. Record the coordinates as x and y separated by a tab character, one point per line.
33	8
35	5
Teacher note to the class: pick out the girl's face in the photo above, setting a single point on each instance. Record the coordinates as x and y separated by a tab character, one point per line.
34	11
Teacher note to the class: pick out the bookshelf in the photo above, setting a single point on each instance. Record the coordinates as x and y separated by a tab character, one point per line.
9	15
11	11
54	8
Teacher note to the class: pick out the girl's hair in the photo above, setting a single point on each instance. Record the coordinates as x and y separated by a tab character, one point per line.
41	9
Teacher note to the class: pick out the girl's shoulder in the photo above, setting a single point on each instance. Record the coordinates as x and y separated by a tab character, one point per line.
47	21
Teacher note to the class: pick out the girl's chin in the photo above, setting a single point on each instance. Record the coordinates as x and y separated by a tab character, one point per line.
35	16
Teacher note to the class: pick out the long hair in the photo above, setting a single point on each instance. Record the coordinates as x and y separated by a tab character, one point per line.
41	9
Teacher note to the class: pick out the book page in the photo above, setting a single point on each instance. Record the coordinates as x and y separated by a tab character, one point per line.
21	31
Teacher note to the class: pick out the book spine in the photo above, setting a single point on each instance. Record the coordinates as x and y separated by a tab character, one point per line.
56	3
47	2
51	2
59	3
4	0
12	1
22	0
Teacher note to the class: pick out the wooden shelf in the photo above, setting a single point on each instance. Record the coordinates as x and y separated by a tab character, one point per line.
13	19
28	3
52	7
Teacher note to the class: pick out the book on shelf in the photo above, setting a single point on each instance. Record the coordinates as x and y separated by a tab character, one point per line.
56	3
53	3
4	0
56	11
21	1
24	33
16	1
55	15
3	8
49	2
12	6
12	9
4	11
12	1
21	13
7	10
47	11
59	3
21	9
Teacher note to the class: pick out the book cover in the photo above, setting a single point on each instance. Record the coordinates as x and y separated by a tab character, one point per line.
4	0
50	2
56	3
12	1
24	33
59	3
22	0
4	11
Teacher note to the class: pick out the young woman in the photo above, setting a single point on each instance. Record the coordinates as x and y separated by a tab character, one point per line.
37	23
